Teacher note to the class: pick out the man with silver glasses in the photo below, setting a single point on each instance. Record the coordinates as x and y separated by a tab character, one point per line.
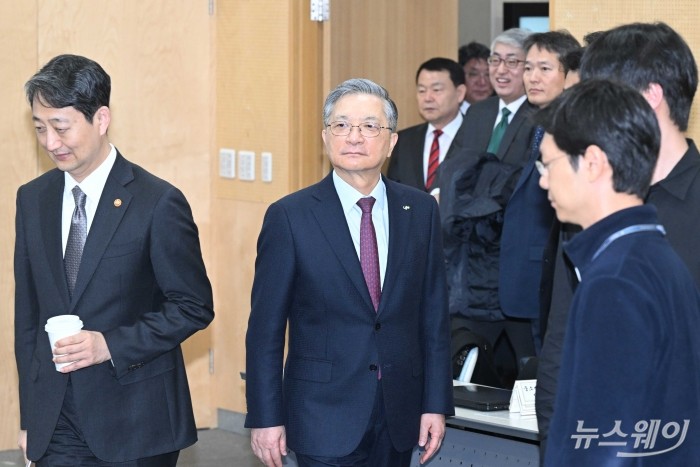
499	125
353	267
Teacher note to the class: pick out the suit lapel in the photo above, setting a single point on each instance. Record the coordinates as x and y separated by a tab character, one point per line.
513	127
329	214
456	142
417	144
400	215
114	202
486	123
51	231
527	170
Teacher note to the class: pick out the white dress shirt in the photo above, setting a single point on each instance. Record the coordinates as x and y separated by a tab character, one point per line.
513	107
92	186
353	214
448	134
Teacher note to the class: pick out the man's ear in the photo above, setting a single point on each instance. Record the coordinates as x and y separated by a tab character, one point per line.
102	119
462	92
393	138
654	95
595	163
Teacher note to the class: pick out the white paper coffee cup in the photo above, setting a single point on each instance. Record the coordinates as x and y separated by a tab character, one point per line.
62	326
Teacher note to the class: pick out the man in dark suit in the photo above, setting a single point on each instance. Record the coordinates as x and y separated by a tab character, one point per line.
362	292
499	125
528	216
472	58
440	90
506	67
141	288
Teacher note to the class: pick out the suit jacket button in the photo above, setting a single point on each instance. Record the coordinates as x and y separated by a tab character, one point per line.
377	326
373	367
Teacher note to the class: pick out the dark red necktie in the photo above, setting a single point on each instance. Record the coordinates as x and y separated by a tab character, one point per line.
433	159
369	256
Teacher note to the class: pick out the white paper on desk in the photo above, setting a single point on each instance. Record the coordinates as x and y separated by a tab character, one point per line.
522	400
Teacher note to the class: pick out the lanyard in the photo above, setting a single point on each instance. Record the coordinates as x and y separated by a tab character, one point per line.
627	231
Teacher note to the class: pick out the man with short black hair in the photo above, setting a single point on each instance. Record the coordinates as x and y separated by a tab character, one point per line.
422	148
630	338
662	68
473	58
101	238
528	216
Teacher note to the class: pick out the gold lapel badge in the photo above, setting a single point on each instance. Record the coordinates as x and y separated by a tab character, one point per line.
117	203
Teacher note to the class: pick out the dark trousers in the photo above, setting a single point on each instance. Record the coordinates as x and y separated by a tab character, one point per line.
68	448
375	448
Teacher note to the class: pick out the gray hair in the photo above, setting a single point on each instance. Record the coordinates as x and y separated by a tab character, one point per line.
361	86
514	37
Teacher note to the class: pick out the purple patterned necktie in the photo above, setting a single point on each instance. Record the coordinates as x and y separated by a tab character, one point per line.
369	257
76	238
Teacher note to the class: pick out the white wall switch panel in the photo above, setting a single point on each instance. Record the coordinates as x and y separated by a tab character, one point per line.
266	166
227	163
246	165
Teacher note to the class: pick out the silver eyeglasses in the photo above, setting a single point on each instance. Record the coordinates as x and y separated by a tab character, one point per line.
543	167
367	129
511	62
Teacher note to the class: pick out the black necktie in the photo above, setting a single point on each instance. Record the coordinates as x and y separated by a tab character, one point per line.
76	238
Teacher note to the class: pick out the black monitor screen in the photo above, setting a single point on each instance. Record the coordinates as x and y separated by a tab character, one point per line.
532	15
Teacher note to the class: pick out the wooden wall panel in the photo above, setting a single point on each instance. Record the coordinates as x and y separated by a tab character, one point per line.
582	17
235	234
252	92
253	112
158	56
307	95
386	41
18	43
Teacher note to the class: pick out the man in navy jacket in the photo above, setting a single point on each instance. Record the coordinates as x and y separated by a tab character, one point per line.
625	394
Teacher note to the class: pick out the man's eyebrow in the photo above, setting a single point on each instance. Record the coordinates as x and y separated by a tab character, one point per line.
51	120
347	119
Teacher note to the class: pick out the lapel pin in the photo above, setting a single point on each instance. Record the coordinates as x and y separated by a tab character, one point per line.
117	203
406	207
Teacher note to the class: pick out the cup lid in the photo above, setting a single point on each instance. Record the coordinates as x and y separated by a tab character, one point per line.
72	321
